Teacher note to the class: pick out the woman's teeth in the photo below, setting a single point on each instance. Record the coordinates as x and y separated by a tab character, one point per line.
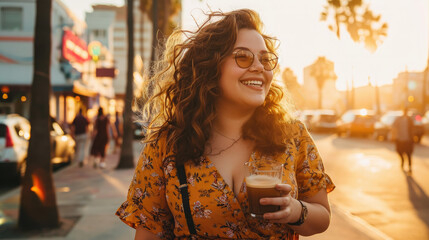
252	83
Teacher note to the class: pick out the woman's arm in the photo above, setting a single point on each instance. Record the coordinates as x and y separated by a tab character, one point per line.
143	234
318	217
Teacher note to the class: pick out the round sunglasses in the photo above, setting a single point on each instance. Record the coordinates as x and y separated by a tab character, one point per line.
244	59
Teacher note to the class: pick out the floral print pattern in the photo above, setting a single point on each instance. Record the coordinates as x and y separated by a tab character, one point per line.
155	203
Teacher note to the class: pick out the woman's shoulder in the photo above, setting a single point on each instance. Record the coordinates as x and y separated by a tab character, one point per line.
297	128
157	144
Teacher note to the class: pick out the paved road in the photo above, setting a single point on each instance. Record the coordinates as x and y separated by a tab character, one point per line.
372	186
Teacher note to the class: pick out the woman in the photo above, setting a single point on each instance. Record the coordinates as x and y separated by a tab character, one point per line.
101	138
215	107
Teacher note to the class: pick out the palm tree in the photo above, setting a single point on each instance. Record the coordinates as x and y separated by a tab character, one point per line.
161	13
38	206
126	159
361	23
293	87
322	70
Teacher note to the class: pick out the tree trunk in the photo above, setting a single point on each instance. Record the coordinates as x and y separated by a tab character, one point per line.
126	159
320	97
142	40
38	206
154	36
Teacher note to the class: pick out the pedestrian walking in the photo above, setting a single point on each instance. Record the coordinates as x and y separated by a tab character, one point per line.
101	137
118	129
214	110
403	132
79	131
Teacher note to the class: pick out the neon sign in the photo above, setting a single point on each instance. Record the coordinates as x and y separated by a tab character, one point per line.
74	48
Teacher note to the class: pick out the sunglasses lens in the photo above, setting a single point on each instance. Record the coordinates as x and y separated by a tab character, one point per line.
244	58
269	61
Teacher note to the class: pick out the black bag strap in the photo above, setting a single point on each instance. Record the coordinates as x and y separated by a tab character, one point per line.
181	174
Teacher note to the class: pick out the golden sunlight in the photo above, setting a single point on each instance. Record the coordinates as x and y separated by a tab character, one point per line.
37	188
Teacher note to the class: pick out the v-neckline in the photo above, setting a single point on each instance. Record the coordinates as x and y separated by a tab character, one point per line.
241	192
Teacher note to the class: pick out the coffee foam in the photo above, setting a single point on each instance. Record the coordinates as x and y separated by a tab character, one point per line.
261	181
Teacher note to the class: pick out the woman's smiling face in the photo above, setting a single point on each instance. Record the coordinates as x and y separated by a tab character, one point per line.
245	87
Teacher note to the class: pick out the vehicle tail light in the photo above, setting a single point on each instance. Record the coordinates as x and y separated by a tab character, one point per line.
418	118
9	141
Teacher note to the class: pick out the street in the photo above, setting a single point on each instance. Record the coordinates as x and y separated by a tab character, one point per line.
371	185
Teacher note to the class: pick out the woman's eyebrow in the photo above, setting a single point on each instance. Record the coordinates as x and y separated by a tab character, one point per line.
243	48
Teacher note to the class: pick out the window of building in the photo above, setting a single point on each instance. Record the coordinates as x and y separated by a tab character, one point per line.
101	33
11	18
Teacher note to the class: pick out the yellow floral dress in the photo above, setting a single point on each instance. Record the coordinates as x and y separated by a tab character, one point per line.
154	200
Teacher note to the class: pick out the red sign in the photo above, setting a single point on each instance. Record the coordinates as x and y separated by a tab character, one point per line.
105	72
74	48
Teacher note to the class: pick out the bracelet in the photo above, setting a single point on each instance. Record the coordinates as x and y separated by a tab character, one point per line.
304	213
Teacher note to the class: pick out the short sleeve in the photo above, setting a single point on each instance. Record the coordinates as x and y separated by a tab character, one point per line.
310	172
146	203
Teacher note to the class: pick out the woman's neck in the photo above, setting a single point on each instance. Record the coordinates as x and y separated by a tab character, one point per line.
229	122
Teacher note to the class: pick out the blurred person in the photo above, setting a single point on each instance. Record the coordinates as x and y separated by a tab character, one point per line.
100	135
216	107
118	129
79	129
402	131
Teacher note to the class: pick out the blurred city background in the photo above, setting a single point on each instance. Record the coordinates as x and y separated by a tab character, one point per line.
350	66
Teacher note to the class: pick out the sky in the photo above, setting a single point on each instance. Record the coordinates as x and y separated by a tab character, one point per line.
303	37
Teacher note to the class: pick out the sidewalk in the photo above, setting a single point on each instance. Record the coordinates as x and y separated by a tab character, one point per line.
87	199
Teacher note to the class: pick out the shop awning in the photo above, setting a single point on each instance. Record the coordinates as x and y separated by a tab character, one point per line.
82	89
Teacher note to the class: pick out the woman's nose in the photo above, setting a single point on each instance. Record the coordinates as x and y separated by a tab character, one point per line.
256	66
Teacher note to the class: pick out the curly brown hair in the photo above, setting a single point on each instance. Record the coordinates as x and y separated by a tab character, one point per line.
182	95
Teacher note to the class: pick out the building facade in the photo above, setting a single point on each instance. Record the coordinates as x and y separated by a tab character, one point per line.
69	61
107	24
408	90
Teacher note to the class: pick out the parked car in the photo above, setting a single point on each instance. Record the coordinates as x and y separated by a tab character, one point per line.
324	120
14	139
306	116
356	122
14	136
383	127
425	122
62	144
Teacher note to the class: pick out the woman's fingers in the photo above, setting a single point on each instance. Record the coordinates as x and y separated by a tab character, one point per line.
284	188
279	201
285	203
